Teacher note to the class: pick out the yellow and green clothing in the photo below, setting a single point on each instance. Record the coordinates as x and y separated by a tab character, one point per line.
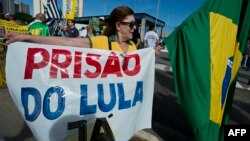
109	43
39	28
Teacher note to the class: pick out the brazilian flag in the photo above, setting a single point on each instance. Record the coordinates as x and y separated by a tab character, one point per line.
205	54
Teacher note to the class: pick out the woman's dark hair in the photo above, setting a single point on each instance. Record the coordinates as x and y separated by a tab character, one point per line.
117	15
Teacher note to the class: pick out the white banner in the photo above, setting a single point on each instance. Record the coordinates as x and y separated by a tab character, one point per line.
66	93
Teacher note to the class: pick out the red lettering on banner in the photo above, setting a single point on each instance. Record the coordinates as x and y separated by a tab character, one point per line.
93	63
137	67
78	65
30	61
61	60
62	66
112	66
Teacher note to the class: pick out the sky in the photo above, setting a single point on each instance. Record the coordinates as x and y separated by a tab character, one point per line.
172	12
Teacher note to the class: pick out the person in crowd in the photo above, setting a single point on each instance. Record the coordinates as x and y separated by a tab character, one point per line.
248	56
244	60
57	29
137	38
94	26
90	31
11	18
151	38
38	26
71	31
83	32
119	31
102	25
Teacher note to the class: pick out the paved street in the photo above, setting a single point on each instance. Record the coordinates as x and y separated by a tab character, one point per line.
168	121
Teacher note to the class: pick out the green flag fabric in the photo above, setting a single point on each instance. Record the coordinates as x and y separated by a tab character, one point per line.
205	54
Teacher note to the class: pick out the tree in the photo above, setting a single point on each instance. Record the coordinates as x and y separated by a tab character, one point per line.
1	16
23	17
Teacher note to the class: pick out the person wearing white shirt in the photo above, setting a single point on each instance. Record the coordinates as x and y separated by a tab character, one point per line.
151	38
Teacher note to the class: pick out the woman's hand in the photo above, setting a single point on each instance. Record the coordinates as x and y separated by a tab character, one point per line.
13	37
158	49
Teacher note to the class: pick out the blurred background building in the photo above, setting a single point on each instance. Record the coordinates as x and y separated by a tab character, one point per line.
39	6
10	6
21	7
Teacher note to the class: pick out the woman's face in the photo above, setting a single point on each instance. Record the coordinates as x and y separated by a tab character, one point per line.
126	27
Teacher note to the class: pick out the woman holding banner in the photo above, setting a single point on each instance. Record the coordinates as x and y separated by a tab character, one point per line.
117	35
119	31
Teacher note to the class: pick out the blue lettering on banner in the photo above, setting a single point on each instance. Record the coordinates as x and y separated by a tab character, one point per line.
123	104
116	91
106	107
25	92
84	107
138	93
46	103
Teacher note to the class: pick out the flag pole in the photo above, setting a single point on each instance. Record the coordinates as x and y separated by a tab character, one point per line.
105	7
157	10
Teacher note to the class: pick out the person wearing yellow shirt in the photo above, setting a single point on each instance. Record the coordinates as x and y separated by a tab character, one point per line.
117	35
